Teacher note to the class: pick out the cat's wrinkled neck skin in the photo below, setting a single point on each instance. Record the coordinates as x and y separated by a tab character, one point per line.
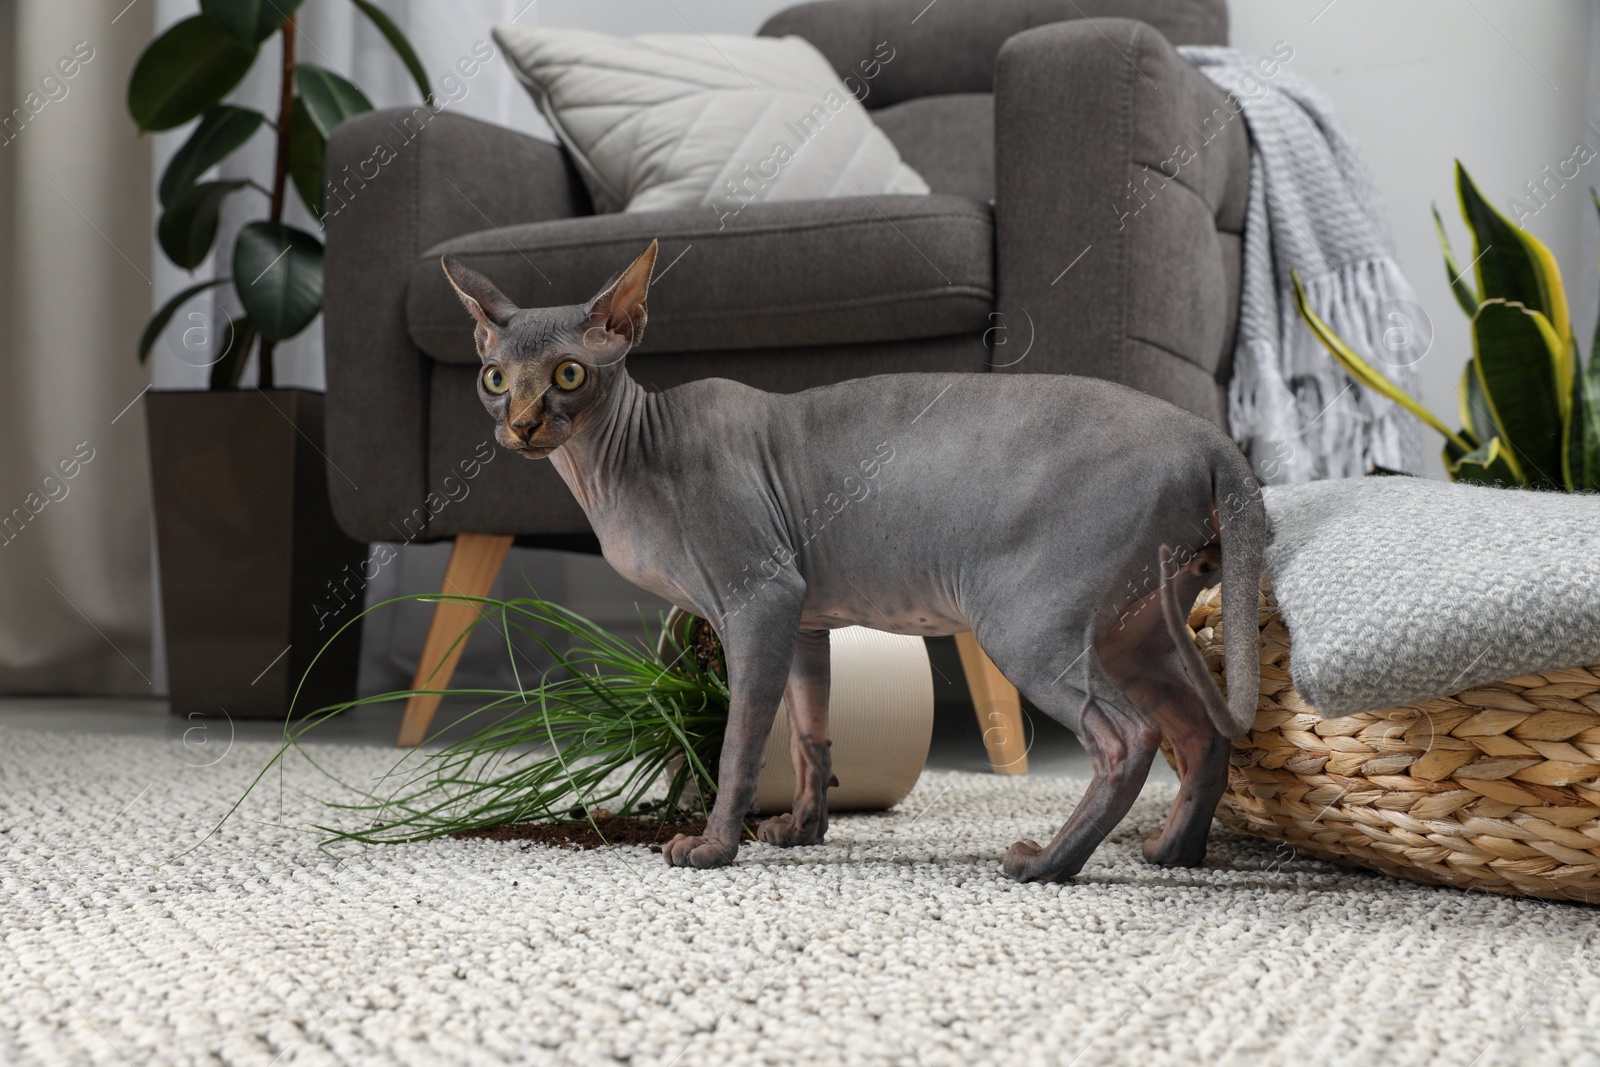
593	459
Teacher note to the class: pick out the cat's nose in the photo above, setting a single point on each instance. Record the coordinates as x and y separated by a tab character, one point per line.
526	427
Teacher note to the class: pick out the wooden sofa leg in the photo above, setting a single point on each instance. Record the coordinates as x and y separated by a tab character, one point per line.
474	563
999	708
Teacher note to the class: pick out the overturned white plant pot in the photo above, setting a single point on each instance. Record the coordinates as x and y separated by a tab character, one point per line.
880	719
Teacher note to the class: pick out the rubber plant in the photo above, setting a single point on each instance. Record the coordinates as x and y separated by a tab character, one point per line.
276	268
1529	411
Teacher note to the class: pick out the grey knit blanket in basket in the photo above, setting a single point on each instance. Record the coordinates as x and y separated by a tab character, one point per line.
1396	590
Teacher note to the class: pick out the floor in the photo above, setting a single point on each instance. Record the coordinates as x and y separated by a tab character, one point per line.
139	927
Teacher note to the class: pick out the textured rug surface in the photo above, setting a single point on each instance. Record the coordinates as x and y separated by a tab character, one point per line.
897	942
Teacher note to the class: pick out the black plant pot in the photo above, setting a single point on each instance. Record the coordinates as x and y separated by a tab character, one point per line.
255	572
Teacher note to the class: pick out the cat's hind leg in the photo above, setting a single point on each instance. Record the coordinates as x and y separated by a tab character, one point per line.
1201	754
1120	740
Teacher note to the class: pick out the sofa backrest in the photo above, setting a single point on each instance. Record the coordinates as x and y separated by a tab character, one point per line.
950	46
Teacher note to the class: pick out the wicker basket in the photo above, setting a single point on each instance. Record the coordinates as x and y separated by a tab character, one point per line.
1496	788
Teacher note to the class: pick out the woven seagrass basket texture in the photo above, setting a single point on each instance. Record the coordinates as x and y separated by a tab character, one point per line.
1496	788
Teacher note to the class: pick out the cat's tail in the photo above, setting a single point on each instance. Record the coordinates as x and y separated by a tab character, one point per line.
1236	498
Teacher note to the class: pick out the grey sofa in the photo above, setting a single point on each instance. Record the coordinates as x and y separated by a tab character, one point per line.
1053	241
1054	121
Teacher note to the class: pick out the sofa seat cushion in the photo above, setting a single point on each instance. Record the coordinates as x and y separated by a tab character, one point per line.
774	275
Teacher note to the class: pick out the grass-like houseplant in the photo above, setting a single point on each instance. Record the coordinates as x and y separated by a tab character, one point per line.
1529	411
247	540
610	728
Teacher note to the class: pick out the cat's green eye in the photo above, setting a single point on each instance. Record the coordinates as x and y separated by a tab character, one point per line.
570	375
494	380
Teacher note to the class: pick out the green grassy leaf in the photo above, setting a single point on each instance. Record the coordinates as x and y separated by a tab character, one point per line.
250	21
329	99
1465	295
277	270
189	227
158	322
609	725
402	47
225	372
223	129
1515	357
185	71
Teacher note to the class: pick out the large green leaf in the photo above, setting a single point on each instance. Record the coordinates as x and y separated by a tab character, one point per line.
1512	264
188	228
306	150
397	41
1516	355
226	370
1362	371
250	21
1466	296
185	71
223	130
1484	465
158	322
277	271
329	99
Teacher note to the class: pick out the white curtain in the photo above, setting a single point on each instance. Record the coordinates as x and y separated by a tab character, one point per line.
75	290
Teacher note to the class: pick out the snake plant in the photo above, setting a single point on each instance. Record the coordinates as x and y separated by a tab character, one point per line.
1530	412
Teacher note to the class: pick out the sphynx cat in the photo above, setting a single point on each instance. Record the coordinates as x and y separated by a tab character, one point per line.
1044	513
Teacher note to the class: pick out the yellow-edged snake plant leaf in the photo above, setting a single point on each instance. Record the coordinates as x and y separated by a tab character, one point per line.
1465	295
1476	417
1362	371
1484	465
1512	264
1517	357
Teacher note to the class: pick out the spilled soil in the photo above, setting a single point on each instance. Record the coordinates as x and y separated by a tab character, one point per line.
607	830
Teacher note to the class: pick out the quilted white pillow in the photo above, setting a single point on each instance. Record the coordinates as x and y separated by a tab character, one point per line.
678	120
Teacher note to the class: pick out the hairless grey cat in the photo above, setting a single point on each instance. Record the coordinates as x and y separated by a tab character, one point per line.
1041	512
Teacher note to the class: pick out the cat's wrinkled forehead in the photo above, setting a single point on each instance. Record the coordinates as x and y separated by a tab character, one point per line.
608	324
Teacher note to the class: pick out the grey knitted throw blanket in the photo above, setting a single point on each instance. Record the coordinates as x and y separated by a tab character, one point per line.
1397	590
1313	207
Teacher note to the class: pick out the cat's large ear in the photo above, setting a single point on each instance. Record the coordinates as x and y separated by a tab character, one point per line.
619	307
486	303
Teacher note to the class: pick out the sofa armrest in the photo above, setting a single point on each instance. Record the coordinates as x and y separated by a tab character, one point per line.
397	182
1121	176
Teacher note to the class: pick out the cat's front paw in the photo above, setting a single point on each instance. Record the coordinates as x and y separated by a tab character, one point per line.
1021	861
701	852
786	831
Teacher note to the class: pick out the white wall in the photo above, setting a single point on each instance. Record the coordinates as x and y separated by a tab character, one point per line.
1501	84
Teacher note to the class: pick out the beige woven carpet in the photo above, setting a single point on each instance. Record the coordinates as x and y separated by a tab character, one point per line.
898	942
